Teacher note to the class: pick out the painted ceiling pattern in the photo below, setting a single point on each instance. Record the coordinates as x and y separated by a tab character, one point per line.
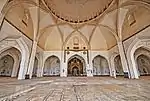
77	11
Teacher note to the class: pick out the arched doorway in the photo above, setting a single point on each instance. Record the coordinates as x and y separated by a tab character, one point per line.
118	66
52	66
143	63
100	66
142	58
35	68
76	66
6	65
10	62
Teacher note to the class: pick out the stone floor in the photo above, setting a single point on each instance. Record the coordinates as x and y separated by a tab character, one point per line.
75	89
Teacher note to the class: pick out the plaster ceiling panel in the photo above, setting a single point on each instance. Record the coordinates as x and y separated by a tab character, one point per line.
46	21
110	20
43	37
42	14
66	30
121	19
109	37
87	31
53	41
8	31
20	17
140	19
98	41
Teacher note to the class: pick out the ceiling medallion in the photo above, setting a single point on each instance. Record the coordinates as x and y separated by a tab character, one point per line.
77	11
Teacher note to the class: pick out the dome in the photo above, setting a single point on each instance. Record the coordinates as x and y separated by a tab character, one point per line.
77	11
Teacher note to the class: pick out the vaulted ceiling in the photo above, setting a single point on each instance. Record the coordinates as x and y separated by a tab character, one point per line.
100	23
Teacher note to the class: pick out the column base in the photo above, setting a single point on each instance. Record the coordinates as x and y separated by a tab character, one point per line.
27	76
63	75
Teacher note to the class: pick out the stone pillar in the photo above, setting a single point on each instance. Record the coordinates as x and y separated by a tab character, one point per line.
35	17
89	70
31	60
63	71
124	60
23	66
133	66
40	66
110	68
113	67
89	65
63	65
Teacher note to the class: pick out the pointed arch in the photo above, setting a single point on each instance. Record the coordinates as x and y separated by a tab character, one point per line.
100	66
52	66
19	44
76	66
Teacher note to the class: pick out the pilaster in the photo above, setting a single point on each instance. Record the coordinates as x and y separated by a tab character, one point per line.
31	60
124	60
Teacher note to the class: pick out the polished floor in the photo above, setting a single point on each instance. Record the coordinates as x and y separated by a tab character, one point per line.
75	89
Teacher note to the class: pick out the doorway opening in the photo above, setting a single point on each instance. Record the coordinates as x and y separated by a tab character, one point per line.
142	60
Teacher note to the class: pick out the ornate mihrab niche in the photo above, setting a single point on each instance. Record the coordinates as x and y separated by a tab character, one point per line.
77	11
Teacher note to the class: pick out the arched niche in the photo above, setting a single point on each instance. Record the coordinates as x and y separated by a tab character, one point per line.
52	66
20	45
142	60
35	68
10	62
76	41
6	65
100	66
76	66
118	66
